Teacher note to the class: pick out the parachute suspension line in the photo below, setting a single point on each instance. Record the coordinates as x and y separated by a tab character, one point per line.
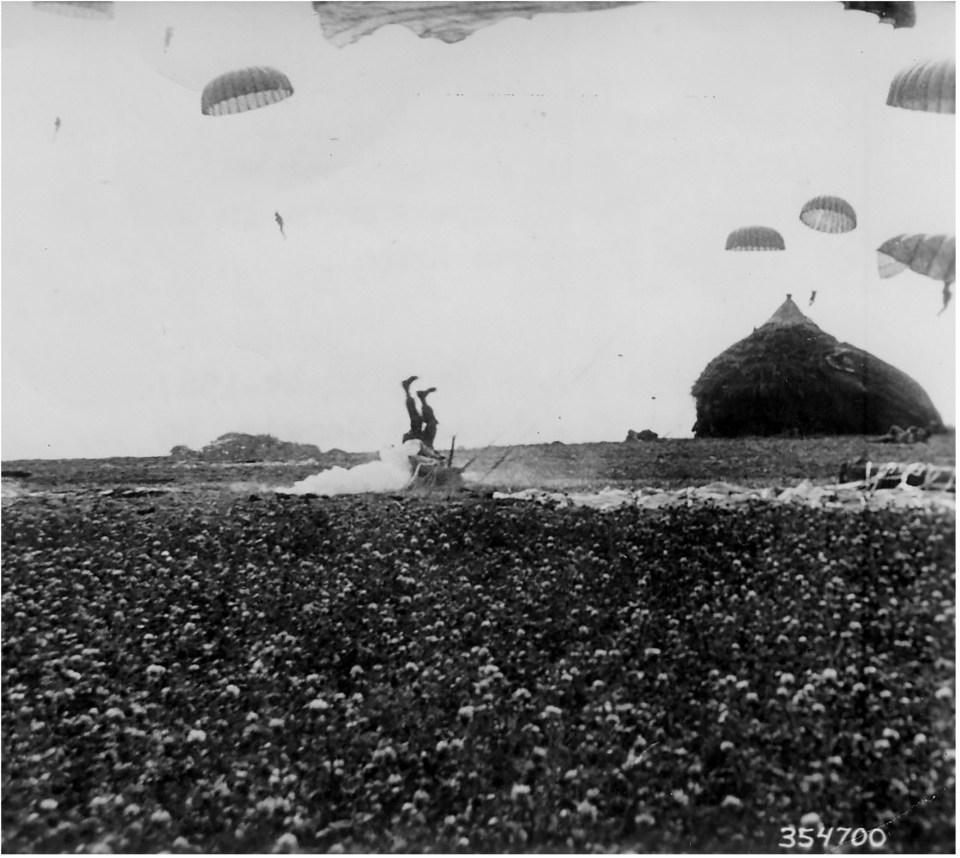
536	420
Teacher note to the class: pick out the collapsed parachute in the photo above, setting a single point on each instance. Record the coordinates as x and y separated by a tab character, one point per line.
97	11
755	238
931	255
897	14
246	89
829	214
930	86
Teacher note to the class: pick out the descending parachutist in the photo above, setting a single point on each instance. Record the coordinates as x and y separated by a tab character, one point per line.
56	127
813	297
946	295
166	38
279	220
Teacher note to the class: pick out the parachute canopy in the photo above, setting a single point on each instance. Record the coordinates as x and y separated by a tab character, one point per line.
930	86
245	89
898	14
345	22
99	11
829	214
931	255
755	238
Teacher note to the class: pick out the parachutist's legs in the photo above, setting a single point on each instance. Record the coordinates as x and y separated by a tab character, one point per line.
416	422
430	432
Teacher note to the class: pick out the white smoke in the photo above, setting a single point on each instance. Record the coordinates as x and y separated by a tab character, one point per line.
390	473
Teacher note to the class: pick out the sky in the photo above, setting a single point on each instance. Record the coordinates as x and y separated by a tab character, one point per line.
532	220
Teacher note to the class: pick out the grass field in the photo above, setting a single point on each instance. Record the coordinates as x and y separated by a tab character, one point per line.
222	669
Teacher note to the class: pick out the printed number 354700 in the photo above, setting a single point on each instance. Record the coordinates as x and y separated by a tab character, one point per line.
792	837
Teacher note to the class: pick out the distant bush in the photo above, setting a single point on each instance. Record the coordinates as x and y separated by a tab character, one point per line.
239	447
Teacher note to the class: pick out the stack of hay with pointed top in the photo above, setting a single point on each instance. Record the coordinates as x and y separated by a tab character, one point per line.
791	378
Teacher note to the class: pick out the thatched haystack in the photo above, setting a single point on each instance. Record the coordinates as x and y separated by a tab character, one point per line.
790	377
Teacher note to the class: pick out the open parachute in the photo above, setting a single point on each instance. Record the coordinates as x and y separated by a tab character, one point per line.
931	255
897	14
929	86
755	238
829	214
95	11
245	89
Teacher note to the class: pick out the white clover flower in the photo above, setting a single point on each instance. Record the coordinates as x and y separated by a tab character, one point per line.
276	722
680	797
356	671
156	670
943	692
160	816
48	804
726	746
645	819
751	696
318	705
518	791
73	675
586	808
829	673
731	801
786	678
197	736
232	690
890	733
286	843
114	714
881	744
551	711
919	739
810	820
466	712
651	650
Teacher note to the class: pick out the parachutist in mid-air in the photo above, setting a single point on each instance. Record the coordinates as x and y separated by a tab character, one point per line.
813	297
946	295
56	126
279	220
167	37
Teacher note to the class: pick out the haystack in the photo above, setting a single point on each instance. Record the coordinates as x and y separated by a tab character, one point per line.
789	377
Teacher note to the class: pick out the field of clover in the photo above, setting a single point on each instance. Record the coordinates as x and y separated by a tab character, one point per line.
386	674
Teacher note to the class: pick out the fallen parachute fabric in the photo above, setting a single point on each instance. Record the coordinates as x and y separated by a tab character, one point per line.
929	86
897	14
345	23
891	485
829	214
92	11
390	473
932	255
244	89
751	238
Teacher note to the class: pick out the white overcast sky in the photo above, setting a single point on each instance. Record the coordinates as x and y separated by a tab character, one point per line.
533	220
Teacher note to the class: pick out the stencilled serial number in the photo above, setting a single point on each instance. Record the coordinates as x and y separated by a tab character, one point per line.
792	837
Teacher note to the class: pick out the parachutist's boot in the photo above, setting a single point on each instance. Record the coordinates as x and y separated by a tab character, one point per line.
407	382
423	394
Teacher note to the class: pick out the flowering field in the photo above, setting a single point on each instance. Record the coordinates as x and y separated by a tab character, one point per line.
273	673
